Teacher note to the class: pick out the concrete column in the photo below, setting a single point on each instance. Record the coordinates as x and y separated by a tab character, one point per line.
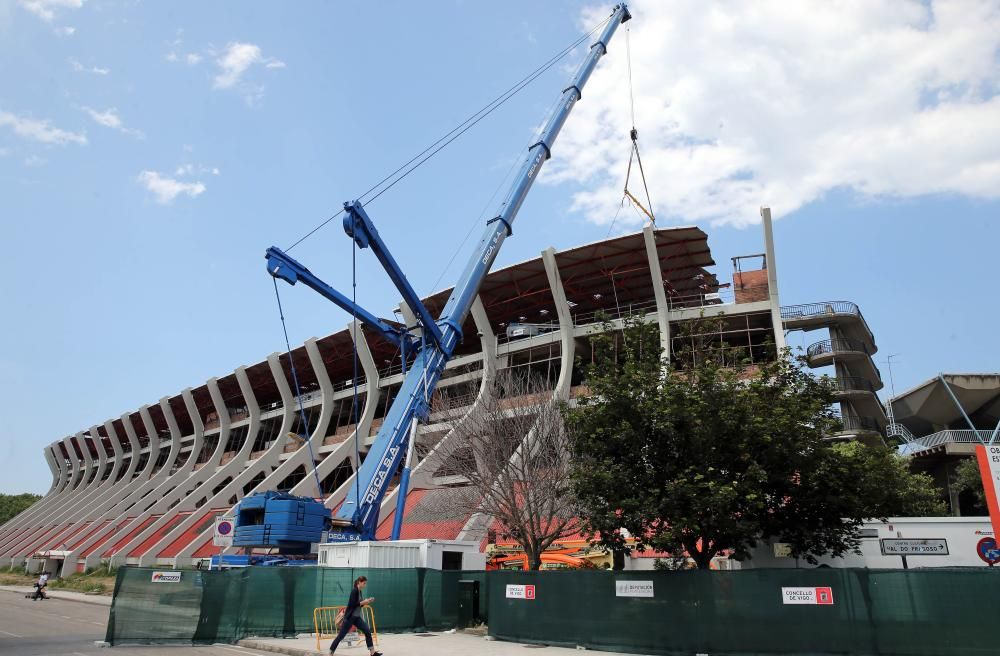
772	279
241	468
568	343
60	477
345	449
656	273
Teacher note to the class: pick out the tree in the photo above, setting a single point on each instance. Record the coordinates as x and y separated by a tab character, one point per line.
513	450
968	480
710	454
13	504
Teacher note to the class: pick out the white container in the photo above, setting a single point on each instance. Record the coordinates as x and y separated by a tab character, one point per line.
432	554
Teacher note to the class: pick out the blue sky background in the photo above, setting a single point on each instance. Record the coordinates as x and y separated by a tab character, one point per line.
115	297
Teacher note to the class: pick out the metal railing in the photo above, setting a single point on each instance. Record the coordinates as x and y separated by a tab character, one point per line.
836	345
859	424
899	431
816	309
952	436
326	625
853	384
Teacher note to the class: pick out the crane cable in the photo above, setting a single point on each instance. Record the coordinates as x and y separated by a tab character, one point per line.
634	151
460	129
298	392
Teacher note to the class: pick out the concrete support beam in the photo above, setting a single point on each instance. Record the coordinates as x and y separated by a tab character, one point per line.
656	273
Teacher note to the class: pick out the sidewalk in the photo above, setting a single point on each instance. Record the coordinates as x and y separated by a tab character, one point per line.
63	595
408	644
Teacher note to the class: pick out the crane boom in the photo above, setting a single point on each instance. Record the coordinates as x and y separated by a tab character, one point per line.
357	518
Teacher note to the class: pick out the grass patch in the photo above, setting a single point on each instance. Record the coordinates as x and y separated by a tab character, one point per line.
100	580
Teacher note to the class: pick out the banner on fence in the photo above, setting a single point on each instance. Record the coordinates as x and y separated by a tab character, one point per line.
814	596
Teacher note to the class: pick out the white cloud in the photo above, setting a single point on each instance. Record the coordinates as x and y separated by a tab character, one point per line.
38	130
67	30
35	161
80	68
171	56
166	189
192	58
109	118
47	9
775	103
237	58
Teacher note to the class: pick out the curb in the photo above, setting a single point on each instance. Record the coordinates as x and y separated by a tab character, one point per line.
261	645
77	598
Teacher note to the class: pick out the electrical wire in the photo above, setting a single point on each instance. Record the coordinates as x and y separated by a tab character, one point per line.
298	390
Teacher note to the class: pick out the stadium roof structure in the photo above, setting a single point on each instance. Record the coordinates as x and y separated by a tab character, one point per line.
950	401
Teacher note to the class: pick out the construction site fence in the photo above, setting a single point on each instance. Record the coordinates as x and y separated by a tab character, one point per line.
916	612
153	606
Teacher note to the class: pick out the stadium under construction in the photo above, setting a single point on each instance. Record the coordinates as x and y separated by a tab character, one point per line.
145	488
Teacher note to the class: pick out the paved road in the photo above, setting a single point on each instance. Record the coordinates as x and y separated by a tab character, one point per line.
69	628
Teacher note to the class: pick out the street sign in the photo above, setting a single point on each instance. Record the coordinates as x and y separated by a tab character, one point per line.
914	547
988	551
807	596
223	532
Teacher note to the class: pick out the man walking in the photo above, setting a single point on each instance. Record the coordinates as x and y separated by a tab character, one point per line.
43	581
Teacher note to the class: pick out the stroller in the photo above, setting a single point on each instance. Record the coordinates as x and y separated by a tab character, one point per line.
38	593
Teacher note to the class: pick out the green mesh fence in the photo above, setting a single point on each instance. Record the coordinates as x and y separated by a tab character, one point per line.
225	606
940	612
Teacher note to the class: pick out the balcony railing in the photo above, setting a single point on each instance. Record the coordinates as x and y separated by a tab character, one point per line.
859	424
853	384
818	309
837	345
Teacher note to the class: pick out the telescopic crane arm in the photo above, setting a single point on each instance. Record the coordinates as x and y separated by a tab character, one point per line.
357	518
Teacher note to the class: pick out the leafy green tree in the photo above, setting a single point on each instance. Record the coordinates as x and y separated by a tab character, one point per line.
968	480
711	453
13	504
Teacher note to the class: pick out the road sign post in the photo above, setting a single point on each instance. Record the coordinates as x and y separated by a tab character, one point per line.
223	536
904	547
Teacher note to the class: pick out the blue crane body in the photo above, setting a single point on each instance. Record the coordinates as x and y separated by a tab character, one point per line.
357	518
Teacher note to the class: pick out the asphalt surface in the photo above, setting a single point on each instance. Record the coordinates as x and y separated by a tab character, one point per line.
69	628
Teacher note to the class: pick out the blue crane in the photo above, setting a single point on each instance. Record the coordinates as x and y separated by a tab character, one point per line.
357	518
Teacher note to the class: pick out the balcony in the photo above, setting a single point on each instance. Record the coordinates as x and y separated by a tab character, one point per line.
864	429
851	385
853	353
843	314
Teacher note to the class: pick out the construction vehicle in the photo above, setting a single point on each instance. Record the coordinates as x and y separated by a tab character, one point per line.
426	347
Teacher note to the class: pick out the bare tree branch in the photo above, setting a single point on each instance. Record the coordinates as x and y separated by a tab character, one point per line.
513	450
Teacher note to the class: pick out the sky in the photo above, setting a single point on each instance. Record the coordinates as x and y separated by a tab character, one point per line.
151	152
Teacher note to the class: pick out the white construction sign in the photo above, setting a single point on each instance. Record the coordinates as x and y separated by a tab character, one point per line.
634	589
166	577
807	596
520	591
